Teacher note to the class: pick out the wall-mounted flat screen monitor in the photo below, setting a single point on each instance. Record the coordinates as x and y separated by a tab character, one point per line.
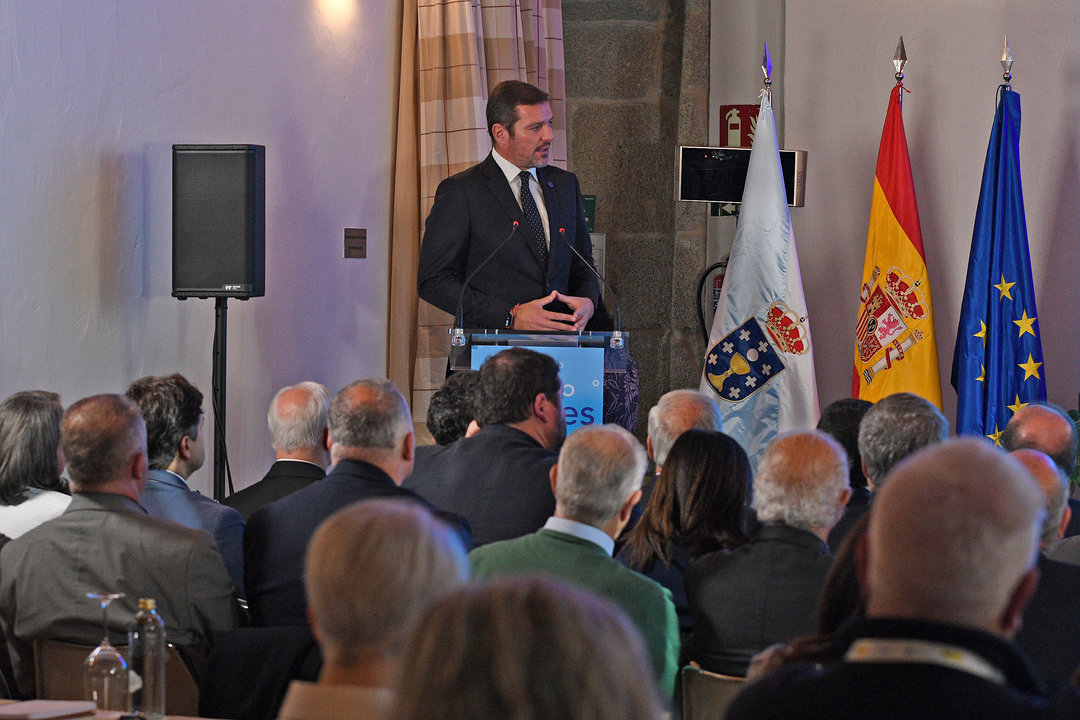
718	174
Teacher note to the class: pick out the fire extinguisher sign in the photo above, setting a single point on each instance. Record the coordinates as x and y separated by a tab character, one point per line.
737	125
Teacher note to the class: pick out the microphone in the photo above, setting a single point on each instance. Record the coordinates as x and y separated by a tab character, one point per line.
458	340
616	336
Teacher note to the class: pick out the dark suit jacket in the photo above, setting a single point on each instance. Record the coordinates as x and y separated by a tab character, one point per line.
1050	634
765	592
472	214
844	690
852	515
106	542
277	535
284	478
497	480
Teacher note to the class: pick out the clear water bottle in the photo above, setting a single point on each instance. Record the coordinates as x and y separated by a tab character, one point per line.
146	666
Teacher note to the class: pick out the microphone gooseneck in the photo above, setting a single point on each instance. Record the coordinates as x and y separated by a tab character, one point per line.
458	339
616	336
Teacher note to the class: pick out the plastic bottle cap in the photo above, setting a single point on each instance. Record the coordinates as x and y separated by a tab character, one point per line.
146	603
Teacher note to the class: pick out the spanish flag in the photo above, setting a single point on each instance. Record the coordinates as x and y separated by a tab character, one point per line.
895	350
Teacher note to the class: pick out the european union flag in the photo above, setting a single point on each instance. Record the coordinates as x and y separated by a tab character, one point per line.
998	362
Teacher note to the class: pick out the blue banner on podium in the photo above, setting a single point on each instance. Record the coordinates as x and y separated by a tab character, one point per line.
581	370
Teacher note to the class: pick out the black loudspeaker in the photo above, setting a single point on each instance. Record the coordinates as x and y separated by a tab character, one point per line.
219	221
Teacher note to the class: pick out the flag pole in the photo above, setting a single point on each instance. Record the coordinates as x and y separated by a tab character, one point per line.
1007	63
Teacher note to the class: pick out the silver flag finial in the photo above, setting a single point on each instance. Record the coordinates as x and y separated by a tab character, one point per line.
899	59
766	66
1007	61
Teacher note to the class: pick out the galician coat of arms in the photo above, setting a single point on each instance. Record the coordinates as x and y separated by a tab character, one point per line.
748	357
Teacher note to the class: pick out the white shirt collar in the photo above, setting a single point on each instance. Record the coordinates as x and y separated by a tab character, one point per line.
580	530
510	170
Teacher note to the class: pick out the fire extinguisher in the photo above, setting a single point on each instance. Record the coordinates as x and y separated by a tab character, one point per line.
717	286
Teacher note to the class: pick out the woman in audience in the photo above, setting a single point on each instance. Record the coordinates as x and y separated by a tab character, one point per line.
527	649
31	489
698	505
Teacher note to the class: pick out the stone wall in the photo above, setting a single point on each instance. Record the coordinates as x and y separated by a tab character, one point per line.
637	78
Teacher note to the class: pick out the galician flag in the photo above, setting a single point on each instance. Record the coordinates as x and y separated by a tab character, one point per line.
760	363
895	349
998	362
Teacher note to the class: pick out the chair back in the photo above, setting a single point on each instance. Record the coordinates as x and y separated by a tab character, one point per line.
706	695
58	675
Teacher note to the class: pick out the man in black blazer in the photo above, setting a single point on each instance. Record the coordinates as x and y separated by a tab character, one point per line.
529	279
498	479
297	424
371	446
767	591
1050	634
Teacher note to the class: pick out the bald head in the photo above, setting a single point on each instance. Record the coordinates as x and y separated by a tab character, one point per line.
1043	427
297	418
102	436
675	413
952	538
802	481
1055	489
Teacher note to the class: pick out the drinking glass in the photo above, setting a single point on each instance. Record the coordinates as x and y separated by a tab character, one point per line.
105	672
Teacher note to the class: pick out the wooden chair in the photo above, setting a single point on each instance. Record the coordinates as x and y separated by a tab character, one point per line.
58	675
706	695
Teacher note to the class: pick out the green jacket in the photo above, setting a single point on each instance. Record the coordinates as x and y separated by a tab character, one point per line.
647	603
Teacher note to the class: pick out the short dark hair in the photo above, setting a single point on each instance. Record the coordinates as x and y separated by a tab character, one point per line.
509	383
841	420
171	407
503	101
29	440
99	435
451	409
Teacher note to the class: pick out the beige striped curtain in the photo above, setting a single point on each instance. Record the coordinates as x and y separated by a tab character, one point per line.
461	49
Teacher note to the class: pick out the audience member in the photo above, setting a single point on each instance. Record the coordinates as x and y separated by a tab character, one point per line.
1046	427
698	506
451	411
297	424
1050	635
526	649
674	413
498	478
31	489
949	569
105	541
596	483
766	591
840	420
895	427
371	446
172	409
371	570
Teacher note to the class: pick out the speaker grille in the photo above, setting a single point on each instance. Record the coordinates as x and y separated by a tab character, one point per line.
219	220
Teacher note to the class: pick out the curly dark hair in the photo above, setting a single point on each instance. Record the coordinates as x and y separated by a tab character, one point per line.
509	383
171	407
451	408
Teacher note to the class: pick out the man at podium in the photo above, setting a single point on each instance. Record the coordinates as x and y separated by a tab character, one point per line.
496	246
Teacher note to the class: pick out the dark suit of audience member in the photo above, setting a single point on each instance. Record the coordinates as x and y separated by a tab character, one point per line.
172	409
1050	635
895	427
297	425
498	479
766	591
936	639
284	478
105	541
368	419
